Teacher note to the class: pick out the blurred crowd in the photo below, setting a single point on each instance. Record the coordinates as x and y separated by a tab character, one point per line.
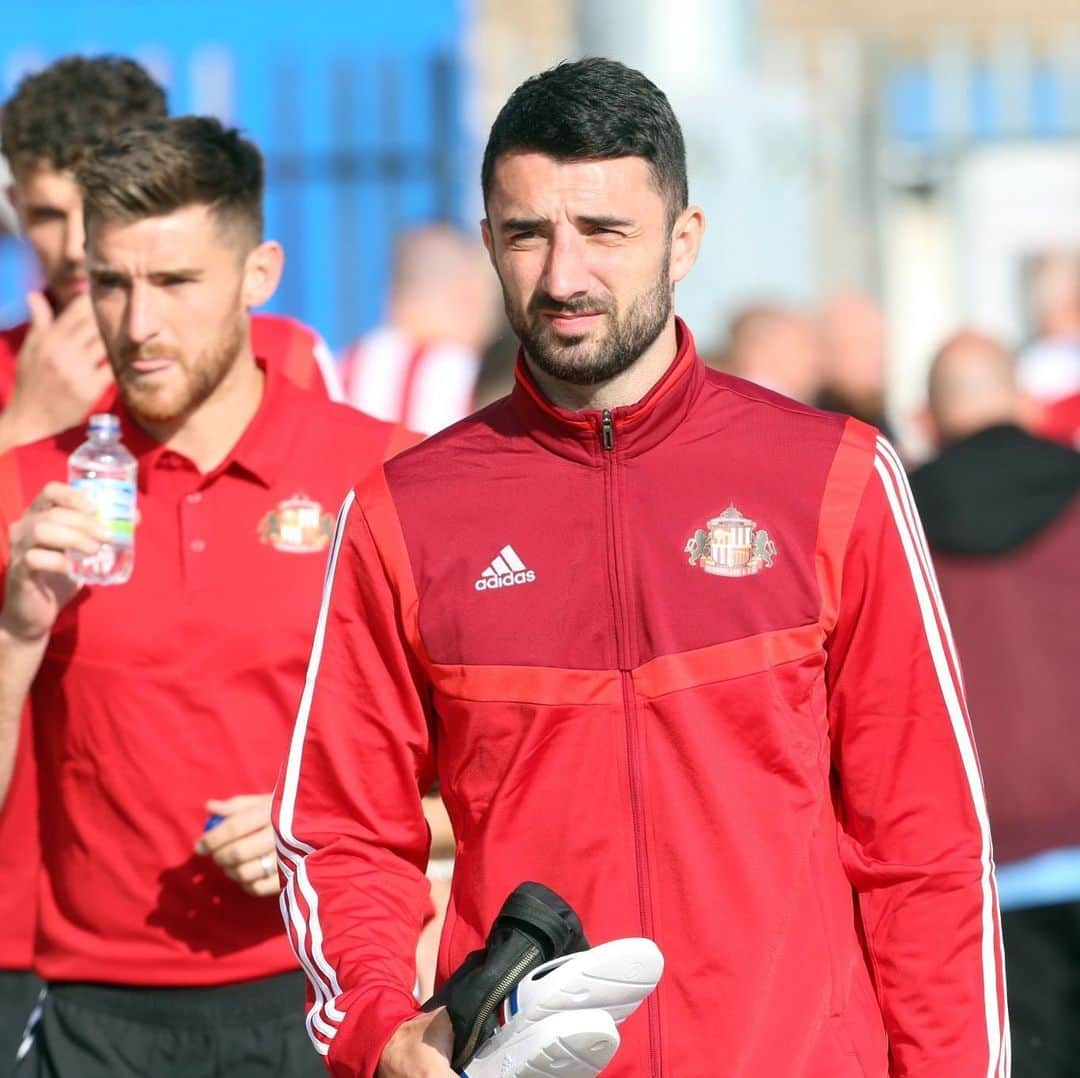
999	493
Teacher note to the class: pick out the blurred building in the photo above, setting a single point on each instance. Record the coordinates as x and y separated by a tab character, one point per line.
948	162
358	110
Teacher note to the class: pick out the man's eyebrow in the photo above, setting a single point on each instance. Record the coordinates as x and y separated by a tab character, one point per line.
604	221
521	224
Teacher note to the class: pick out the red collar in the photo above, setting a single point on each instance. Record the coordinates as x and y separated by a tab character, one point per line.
260	451
635	427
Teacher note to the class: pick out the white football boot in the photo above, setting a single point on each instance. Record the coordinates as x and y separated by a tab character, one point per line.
614	977
572	1044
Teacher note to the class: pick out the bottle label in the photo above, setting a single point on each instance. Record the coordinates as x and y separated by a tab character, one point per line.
114	505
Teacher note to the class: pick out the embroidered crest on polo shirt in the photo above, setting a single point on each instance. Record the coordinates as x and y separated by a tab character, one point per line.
298	525
731	545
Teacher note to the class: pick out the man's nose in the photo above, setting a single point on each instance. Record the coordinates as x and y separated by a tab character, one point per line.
142	319
74	238
567	273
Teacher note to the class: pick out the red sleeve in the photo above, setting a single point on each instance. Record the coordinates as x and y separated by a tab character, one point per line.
352	839
914	834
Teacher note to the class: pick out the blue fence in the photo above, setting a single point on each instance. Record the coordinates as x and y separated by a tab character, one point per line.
357	108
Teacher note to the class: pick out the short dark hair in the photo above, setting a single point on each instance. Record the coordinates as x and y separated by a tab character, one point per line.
57	115
592	109
158	168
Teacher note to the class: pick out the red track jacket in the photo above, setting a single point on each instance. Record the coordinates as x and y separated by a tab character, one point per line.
685	663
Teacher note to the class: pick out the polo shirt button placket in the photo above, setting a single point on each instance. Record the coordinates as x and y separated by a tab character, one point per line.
194	532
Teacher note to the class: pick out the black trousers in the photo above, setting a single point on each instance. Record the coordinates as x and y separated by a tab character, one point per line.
250	1030
19	991
1042	970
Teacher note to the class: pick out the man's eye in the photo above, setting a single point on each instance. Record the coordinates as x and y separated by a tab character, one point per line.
105	280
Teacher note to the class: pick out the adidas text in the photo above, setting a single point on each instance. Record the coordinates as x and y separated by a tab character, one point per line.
507	580
506	570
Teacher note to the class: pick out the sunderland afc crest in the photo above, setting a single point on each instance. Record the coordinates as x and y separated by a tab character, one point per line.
731	545
297	525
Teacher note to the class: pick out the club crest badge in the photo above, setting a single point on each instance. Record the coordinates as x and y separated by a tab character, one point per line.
297	525
731	545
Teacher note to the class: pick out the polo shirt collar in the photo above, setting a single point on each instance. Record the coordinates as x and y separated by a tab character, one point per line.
261	450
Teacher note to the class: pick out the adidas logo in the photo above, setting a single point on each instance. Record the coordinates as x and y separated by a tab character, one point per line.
506	570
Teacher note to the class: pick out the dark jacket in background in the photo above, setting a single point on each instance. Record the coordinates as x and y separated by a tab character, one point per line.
1001	511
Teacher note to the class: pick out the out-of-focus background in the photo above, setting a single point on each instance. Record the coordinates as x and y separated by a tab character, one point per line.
874	175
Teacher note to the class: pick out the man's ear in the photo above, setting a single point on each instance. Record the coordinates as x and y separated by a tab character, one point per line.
686	236
263	267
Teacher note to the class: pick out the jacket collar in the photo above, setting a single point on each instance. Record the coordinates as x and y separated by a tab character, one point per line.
635	427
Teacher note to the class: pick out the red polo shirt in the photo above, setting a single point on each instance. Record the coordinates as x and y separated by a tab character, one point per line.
295	349
180	686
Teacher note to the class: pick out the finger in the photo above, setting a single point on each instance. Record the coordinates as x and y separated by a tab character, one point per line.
46	535
74	518
244	850
226	806
237	826
60	494
47	561
255	869
88	343
76	314
41	312
264	886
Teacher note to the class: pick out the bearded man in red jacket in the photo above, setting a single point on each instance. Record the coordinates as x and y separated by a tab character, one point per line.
673	646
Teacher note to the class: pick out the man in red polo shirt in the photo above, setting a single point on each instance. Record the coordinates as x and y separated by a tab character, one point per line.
53	371
167	700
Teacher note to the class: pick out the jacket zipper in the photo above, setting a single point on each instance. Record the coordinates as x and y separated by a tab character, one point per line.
494	998
622	645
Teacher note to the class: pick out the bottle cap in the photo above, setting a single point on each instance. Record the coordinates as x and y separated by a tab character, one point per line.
104	423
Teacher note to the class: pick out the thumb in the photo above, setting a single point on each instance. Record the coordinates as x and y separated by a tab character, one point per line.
41	312
225	806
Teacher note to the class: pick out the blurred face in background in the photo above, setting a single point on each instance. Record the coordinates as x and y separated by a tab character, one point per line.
49	207
171	297
584	252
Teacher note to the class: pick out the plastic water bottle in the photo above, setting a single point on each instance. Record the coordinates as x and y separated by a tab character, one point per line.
106	473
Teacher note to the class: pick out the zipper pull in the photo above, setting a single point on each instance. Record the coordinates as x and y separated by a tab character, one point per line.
607	430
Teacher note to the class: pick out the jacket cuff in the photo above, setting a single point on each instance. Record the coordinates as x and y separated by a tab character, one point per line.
358	1046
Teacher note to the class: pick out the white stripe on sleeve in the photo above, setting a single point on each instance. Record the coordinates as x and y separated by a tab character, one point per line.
324	1016
901	503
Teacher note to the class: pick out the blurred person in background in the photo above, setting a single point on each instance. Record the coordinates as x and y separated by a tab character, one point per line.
854	358
161	708
777	348
53	369
9	221
1001	510
1049	367
420	368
